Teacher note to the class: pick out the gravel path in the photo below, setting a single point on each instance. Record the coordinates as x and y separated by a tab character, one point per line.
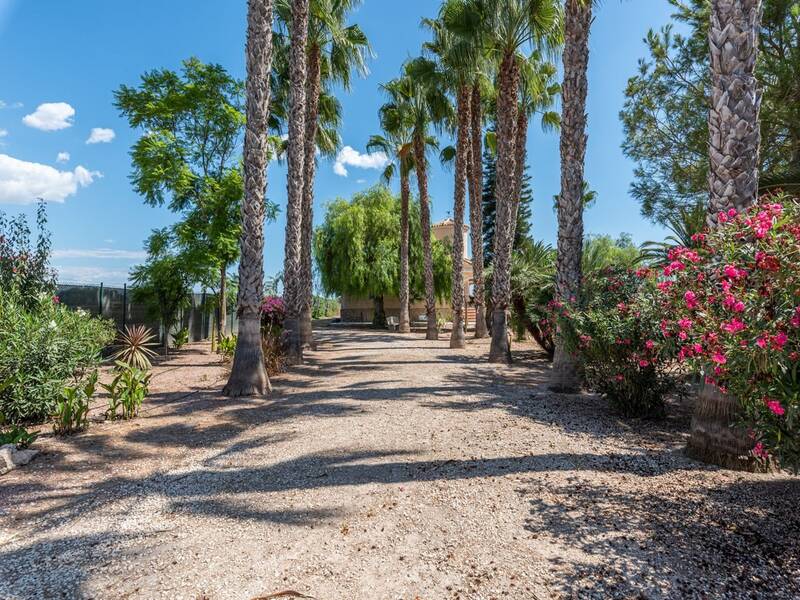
389	467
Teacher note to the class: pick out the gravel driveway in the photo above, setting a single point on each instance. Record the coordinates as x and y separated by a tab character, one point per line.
389	467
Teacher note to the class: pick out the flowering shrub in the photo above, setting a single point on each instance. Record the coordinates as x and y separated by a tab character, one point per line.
273	314
43	348
617	336
735	315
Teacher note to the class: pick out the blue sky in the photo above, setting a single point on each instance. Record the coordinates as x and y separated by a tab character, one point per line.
70	56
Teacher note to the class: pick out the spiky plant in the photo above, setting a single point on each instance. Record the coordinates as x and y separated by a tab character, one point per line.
133	347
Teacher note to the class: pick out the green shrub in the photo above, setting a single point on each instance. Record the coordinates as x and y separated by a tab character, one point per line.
19	436
181	338
227	346
72	409
735	313
44	346
127	391
616	335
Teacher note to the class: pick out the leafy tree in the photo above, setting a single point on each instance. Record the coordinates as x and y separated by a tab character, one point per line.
188	157
24	267
163	283
358	246
665	116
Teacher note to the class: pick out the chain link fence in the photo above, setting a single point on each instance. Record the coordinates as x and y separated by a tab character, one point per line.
116	303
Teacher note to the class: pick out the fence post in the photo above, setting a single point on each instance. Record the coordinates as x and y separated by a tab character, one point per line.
124	305
100	300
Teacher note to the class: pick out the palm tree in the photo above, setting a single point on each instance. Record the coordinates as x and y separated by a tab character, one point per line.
683	224
458	60
426	105
248	375
397	143
734	140
733	124
508	26
577	21
538	91
295	179
333	50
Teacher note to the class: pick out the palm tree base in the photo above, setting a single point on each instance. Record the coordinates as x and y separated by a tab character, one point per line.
292	341
500	349
432	332
404	327
481	331
457	336
716	438
564	376
307	330
248	375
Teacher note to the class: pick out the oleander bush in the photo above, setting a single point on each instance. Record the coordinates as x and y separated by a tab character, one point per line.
735	313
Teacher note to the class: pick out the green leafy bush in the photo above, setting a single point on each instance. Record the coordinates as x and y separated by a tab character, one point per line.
734	303
181	338
72	409
616	334
227	346
44	346
19	436
127	391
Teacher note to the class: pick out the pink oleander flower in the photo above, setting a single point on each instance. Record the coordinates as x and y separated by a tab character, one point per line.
732	212
733	272
779	340
56	300
775	407
650	344
761	342
691	300
733	326
644	363
719	358
759	451
664	285
685	323
697	348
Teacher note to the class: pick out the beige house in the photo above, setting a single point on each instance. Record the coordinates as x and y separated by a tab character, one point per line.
362	309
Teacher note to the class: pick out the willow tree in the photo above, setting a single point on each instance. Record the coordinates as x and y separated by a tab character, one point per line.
357	246
248	375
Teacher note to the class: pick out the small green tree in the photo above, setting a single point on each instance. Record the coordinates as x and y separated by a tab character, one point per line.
357	250
163	283
188	158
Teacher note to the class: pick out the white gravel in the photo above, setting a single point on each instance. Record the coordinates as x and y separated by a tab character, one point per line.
389	467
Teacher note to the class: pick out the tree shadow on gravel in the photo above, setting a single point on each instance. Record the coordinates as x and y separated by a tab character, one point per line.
667	540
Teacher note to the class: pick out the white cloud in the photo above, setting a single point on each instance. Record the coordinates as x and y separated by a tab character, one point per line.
3	133
350	157
100	253
361	181
23	182
75	274
12	105
62	157
101	135
50	116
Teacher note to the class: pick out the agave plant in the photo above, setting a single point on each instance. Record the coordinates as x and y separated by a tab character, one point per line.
133	347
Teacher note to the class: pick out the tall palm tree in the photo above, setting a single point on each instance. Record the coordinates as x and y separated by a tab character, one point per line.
294	185
538	92
426	105
734	140
458	62
509	27
577	21
248	375
333	50
397	143
733	120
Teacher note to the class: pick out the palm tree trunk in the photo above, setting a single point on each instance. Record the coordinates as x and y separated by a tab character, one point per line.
223	301
405	195
734	140
508	79
733	126
425	218
519	165
457	336
578	19
309	167
295	183
248	375
476	211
